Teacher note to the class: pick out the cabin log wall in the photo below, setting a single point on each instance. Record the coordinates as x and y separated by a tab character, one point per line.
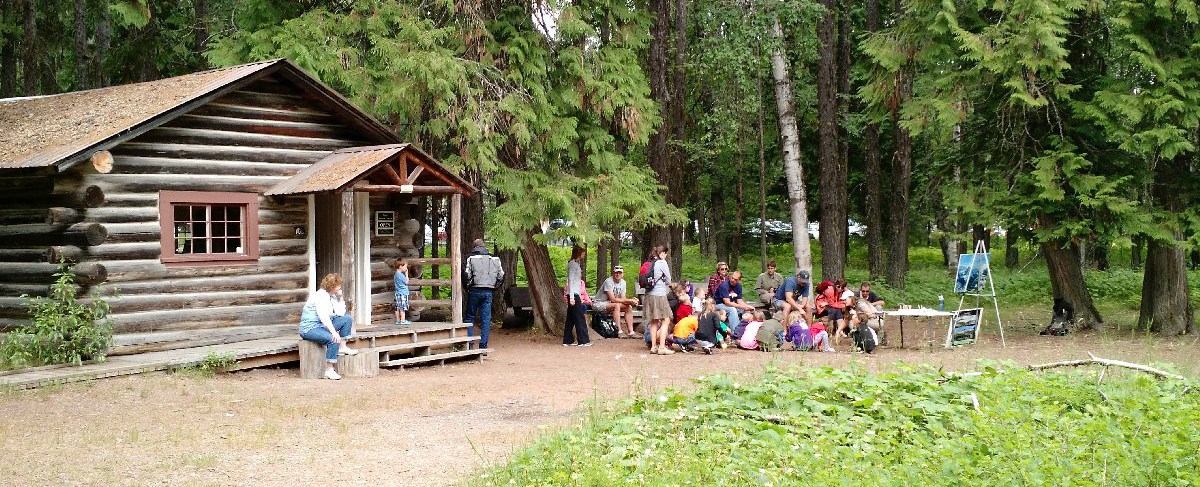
246	141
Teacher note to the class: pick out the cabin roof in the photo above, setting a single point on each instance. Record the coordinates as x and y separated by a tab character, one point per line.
60	130
395	165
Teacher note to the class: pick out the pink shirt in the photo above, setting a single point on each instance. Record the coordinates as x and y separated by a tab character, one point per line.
749	340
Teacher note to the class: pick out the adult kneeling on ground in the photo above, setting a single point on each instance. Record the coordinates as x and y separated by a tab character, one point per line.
729	298
794	294
326	320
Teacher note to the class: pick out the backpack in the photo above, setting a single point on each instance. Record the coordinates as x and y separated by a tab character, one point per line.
645	275
865	338
604	325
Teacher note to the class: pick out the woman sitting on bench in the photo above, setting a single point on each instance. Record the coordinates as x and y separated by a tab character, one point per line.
326	320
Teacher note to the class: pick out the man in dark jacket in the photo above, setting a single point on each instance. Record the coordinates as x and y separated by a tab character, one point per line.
481	276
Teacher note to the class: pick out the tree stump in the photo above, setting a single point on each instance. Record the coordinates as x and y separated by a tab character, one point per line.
312	362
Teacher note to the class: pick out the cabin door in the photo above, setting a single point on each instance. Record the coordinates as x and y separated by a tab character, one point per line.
333	221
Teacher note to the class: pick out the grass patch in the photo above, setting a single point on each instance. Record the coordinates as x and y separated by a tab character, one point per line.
913	426
209	366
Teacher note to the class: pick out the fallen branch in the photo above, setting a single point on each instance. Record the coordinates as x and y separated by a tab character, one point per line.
1094	360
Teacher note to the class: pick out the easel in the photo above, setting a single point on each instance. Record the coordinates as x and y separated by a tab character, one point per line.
981	248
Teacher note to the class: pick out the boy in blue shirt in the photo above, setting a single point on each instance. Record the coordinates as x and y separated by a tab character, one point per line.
401	281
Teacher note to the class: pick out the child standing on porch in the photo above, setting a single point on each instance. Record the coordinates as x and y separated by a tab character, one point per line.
401	281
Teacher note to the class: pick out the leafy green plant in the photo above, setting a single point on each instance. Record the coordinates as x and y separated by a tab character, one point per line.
63	329
212	363
911	426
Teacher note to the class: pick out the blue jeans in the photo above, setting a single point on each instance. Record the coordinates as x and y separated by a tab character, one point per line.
734	319
479	304
342	324
684	342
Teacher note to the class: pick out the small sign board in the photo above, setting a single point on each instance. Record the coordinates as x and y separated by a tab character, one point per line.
973	272
964	327
385	223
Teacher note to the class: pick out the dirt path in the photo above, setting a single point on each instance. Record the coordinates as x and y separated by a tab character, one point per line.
427	426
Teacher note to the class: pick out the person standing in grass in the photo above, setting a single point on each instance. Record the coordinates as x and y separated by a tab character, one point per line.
658	310
575	324
401	281
326	320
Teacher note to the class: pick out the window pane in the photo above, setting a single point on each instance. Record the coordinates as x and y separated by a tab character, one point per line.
233	229
235	245
181	213
218	245
218	213
183	238
218	229
199	230
199	213
200	246
233	214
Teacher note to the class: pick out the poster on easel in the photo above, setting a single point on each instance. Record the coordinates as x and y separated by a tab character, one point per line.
973	272
964	327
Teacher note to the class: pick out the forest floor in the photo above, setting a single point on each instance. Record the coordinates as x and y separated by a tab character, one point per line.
423	426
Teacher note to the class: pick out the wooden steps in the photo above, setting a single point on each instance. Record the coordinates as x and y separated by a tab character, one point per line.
440	358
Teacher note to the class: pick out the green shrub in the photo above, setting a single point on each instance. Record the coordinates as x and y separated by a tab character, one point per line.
914	426
63	329
208	367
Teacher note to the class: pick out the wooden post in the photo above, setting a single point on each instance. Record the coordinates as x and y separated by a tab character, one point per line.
456	262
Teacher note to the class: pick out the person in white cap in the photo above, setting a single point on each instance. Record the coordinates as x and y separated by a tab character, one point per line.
610	298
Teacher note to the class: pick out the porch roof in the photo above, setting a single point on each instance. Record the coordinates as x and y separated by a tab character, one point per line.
394	168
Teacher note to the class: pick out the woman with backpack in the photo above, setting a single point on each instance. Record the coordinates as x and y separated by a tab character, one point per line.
658	310
575	307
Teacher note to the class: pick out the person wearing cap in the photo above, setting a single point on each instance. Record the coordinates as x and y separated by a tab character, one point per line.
767	284
610	298
794	294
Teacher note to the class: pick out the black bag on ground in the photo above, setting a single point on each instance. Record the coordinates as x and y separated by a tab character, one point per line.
864	338
604	325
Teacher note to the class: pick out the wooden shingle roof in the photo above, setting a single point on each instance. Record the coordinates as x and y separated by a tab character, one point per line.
394	164
60	130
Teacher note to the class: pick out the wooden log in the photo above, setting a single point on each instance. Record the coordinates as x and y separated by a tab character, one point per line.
253	113
429	261
38	234
130	200
183	135
87	273
418	190
166	165
429	282
144	270
211	298
102	162
10	324
150	232
25	254
276	127
194	319
218	152
294	215
293	103
456	259
79	196
363	365
141	183
17	289
151	248
252	282
62	253
57	215
131	343
312	359
17	216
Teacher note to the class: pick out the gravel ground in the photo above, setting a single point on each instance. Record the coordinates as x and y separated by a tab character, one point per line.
415	427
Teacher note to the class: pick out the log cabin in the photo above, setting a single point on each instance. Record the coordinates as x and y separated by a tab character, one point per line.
206	206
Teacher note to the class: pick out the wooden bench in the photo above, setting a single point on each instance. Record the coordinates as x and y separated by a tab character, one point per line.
312	362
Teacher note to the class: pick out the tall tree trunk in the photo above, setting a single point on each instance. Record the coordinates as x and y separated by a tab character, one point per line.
614	251
874	203
762	188
675	194
602	267
549	310
1066	279
832	177
200	33
1166	307
739	214
1135	256
508	262
661	83
30	66
82	80
8	55
472	213
897	265
103	42
1101	253
1012	255
790	138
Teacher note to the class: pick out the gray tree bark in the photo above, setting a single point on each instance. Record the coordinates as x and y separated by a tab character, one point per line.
832	173
790	135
